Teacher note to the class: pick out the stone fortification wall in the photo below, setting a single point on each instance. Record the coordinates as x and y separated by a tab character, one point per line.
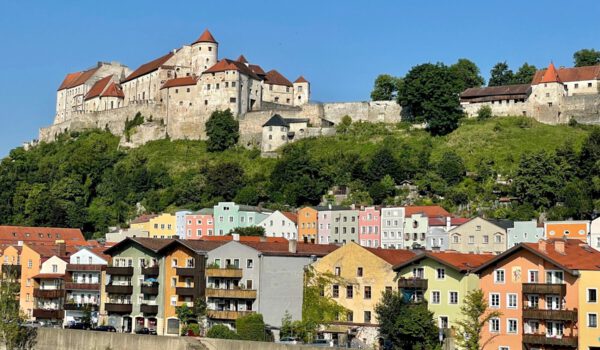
584	109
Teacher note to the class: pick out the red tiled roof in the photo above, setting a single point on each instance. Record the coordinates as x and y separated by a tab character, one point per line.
392	256
148	67
276	78
69	79
50	250
13	234
301	80
282	249
227	238
206	37
458	261
184	81
242	59
550	76
427	210
100	252
76	79
257	69
226	64
292	216
48	276
143	218
570	74
113	90
98	87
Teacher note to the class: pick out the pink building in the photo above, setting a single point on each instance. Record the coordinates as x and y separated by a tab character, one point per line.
369	227
199	224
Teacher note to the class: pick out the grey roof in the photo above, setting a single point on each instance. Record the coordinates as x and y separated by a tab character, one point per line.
277	120
204	211
505	224
332	208
253	208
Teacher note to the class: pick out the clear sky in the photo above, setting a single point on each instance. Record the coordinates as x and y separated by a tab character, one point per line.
340	46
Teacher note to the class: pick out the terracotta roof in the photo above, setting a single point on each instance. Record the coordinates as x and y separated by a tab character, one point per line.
148	67
98	87
301	80
292	216
100	252
50	250
206	37
569	74
550	76
75	79
392	256
459	261
276	78
426	210
226	64
257	70
49	276
16	234
282	249
69	79
183	81
143	218
490	93
113	90
228	238
242	59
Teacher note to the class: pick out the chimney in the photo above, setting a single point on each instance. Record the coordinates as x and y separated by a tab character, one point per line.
542	245
559	246
448	223
61	248
236	237
293	246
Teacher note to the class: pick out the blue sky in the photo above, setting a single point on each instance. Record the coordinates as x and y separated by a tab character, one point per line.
340	46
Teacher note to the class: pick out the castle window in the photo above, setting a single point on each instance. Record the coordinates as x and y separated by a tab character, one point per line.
287	89
299	88
232	99
200	49
288	100
549	104
576	86
207	60
207	86
181	103
589	84
176	91
187	74
547	94
271	87
217	86
226	84
205	102
209	48
276	99
190	104
233	84
188	89
270	137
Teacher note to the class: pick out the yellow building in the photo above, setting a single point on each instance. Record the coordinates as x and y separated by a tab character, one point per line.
157	226
307	225
364	274
589	310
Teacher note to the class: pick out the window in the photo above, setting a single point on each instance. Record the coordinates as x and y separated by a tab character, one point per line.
511	300
576	86
486	239
498	239
554	277
249	263
29	264
359	272
173	281
471	239
349	292
511	325
456	239
350	316
589	85
453	298
367	316
54	268
174	262
592	320
335	291
338	271
174	300
435	297
499	276
367	292
494	325
533	276
495	300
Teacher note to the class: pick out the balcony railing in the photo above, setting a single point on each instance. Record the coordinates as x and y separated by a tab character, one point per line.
412	283
544	288
48	314
48	293
116	289
559	315
150	271
119	271
185	291
186	271
231	293
118	308
541	339
150	289
229	272
85	267
149	309
227	314
81	307
82	286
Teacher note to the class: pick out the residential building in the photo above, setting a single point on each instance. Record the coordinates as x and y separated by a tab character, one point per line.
308	225
157	226
478	236
279	131
416	224
369	227
281	224
116	235
199	224
49	291
392	227
437	237
570	229
594	240
337	225
228	216
180	222
17	235
524	232
364	274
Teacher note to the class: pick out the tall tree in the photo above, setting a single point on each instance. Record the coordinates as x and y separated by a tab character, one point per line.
474	316
451	168
586	57
386	88
500	75
12	334
467	73
222	130
525	74
224	180
537	179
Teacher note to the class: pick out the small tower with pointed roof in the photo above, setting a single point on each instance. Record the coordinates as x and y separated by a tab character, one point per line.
204	53
301	91
550	90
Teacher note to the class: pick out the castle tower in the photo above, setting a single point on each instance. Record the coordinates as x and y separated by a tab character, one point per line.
301	91
548	95
243	60
204	53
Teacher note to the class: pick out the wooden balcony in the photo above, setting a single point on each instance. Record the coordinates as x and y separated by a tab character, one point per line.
48	314
152	271
544	288
150	290
81	307
116	289
82	286
118	308
558	315
231	293
85	267
227	314
412	283
119	271
48	293
185	291
148	309
186	271
228	273
541	339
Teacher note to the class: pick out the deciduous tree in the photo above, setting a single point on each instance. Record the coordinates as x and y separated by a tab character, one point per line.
222	130
586	57
474	317
386	88
500	75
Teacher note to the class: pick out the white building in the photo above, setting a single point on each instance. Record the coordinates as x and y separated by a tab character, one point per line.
280	224
392	227
594	240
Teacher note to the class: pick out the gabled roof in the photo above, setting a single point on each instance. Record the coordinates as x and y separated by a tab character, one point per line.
205	37
392	256
458	261
242	59
282	248
426	210
98	87
243	207
491	93
257	70
276	120
228	238
113	90
149	67
550	75
15	234
204	211
143	218
75	79
292	216
569	74
152	244
183	81
69	80
227	64
276	78
301	80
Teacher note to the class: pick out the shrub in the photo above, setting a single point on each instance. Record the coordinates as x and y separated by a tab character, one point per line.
251	327
485	112
220	331
192	328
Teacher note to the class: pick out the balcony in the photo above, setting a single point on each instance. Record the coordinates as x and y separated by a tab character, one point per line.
118	308
231	293
227	314
48	314
12	270
541	339
119	271
116	289
228	273
81	307
82	286
544	288
412	283
150	290
558	315
85	267
48	293
150	271
149	309
185	291
186	271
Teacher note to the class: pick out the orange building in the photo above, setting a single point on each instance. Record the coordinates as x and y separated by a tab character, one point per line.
567	229
307	225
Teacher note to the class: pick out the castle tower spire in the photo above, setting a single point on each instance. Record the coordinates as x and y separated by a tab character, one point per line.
550	75
204	53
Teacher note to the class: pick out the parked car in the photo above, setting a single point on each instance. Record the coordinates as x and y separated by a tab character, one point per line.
32	324
325	343
105	329
79	325
145	331
290	340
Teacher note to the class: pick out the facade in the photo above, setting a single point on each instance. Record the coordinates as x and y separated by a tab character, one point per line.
437	237
199	224
180	223
308	225
571	229
157	226
392	227
524	232
594	240
49	291
337	225
229	216
416	227
281	224
478	236
369	227
279	131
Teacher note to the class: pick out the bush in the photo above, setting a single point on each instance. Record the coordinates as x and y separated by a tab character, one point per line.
221	332
251	327
485	112
192	328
